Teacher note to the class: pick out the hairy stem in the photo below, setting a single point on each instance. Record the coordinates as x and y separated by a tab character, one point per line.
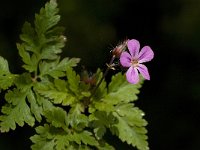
109	66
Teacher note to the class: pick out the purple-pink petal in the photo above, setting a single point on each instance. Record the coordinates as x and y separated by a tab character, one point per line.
133	46
132	75
144	71
146	54
125	59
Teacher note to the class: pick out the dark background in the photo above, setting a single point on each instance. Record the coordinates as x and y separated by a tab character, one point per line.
171	99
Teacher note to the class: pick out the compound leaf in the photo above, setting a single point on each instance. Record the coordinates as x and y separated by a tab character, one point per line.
102	90
49	138
4	68
47	18
85	137
119	90
57	117
16	112
59	93
57	68
36	108
77	120
100	121
6	78
30	61
131	126
73	80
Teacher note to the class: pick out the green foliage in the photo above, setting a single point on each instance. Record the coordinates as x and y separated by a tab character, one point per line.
72	113
119	91
57	117
39	48
59	135
16	111
77	120
101	121
6	78
117	112
57	68
51	138
130	126
59	94
102	90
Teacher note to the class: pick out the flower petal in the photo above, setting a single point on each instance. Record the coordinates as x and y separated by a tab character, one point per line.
146	54
144	71
133	46
125	59
132	75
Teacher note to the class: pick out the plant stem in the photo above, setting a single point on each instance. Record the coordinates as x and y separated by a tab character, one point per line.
109	66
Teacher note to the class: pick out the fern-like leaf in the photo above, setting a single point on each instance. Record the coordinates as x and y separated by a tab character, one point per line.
57	117
77	120
16	112
131	126
119	91
57	68
51	138
58	94
100	121
6	78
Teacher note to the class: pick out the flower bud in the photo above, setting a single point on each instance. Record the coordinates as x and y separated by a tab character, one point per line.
119	49
88	78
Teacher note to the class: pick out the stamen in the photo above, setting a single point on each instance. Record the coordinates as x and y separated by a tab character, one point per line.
134	63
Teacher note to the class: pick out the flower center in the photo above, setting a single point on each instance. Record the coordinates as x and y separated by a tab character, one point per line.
134	63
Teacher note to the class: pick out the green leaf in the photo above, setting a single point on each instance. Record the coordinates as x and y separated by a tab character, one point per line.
66	62
119	90
131	126
36	108
105	146
56	68
57	117
44	102
78	88
73	80
44	41
24	81
6	78
57	97
51	44
50	68
58	94
28	36
4	68
76	119
102	90
50	40
49	138
133	114
17	111
100	120
85	137
6	81
30	61
47	18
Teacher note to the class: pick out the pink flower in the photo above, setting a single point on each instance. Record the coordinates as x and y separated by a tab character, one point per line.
134	61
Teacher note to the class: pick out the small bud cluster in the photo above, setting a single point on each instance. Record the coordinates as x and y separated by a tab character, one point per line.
88	78
117	51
